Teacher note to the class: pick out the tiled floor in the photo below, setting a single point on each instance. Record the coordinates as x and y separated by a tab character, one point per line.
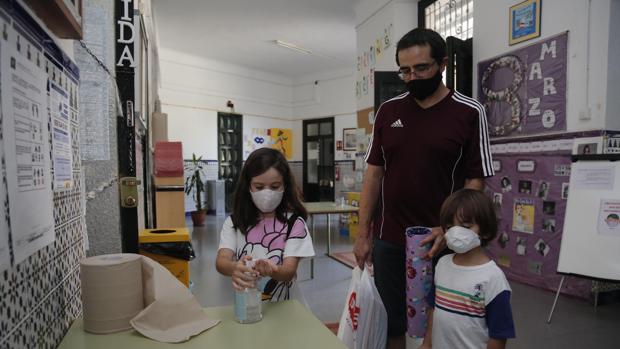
576	323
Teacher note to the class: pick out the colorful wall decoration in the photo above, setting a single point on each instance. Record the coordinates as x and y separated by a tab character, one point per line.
524	91
276	138
368	60
529	190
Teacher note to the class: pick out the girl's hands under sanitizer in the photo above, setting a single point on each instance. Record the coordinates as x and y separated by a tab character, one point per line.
244	276
265	267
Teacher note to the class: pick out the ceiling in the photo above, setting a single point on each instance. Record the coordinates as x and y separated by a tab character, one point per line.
242	32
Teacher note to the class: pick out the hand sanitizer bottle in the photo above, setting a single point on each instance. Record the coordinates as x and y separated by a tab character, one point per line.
248	304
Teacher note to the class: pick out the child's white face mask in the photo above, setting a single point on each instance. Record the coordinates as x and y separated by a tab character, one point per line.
461	239
267	200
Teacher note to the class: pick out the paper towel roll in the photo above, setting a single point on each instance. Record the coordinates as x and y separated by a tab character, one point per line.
111	291
419	281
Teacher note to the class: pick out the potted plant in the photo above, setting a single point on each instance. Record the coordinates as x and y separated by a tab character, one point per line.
194	183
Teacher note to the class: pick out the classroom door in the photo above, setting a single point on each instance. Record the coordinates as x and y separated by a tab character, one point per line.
459	69
318	160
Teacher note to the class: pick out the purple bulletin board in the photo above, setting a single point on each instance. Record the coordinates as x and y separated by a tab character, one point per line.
529	191
524	91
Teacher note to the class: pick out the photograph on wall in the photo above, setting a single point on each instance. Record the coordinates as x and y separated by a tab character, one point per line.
541	247
609	218
525	187
549	207
521	246
548	225
588	145
349	136
587	148
543	190
503	239
497	199
534	267
524	91
564	191
523	216
506	185
524	21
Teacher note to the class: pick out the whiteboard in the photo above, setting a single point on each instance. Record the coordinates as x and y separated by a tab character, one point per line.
591	239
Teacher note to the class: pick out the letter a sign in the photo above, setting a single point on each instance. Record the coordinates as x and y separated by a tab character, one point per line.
125	34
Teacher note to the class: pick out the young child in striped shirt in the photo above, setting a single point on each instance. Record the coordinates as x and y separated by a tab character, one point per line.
472	295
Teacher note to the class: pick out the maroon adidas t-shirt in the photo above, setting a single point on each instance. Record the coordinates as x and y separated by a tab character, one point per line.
427	154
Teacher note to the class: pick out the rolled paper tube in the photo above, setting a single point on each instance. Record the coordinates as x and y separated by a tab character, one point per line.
111	291
419	280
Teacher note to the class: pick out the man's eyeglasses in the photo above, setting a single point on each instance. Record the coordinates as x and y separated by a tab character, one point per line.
404	72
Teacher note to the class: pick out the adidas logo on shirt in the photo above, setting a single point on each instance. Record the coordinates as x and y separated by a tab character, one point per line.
397	123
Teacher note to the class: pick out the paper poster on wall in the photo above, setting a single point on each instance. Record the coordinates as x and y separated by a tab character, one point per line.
26	148
523	216
524	91
61	137
609	218
594	178
256	139
282	140
5	254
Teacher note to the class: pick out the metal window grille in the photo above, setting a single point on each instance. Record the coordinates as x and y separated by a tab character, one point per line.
451	18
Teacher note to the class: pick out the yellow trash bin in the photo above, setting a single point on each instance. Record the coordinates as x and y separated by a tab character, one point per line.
177	266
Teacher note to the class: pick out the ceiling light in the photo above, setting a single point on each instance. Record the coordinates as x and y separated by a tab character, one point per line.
292	47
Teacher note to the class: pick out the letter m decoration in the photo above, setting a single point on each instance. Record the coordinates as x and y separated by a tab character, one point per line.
354	310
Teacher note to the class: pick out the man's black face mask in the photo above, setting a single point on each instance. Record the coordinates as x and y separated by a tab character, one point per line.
423	88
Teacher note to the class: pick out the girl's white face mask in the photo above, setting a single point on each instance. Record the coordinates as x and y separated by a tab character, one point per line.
267	200
461	239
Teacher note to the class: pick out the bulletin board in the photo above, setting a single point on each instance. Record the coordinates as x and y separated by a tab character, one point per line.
529	191
591	242
39	93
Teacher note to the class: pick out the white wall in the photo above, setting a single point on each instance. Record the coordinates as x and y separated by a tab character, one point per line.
329	94
372	19
588	41
196	128
613	71
193	89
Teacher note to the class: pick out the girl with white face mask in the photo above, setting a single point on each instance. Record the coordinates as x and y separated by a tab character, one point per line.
267	226
472	295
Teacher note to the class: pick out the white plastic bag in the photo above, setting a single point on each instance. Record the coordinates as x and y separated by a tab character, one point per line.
363	324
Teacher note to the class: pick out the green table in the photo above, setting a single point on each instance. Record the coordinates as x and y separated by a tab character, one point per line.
286	324
326	208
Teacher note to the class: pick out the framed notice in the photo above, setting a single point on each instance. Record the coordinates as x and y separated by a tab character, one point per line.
349	137
524	21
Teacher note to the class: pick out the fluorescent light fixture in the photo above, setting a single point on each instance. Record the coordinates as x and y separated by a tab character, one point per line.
292	47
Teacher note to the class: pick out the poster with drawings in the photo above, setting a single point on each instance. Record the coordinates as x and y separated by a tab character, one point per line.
609	218
529	253
26	145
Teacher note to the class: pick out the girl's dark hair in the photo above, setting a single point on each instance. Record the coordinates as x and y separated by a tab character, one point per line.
245	214
473	207
423	37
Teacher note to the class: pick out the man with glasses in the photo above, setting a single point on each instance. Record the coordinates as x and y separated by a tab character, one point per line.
427	143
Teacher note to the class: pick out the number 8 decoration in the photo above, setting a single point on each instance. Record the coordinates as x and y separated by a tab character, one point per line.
508	95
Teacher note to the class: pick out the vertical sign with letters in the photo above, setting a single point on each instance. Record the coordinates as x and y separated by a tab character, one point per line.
125	73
